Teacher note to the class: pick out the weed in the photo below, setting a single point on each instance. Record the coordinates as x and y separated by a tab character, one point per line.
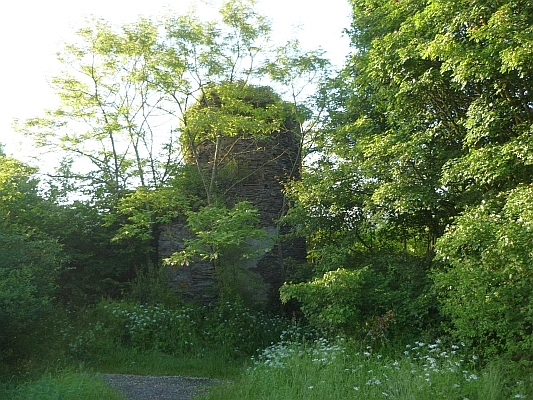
61	385
328	370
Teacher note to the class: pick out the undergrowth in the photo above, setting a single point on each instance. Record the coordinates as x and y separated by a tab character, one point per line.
261	356
229	331
63	385
338	370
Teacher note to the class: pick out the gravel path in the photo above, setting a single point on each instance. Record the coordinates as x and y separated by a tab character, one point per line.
137	387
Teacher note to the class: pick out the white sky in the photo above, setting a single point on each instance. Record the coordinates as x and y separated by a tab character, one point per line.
33	31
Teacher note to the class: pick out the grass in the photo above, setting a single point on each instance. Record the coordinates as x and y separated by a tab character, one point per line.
64	385
70	383
130	361
150	340
325	371
300	370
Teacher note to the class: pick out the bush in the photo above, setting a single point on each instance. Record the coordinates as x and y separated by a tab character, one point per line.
28	268
239	330
137	326
152	287
485	284
333	302
229	329
389	296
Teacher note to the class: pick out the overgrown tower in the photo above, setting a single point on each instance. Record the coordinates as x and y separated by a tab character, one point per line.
249	166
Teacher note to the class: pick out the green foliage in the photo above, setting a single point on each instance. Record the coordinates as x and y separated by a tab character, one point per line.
486	284
328	209
430	116
106	113
482	50
239	330
126	93
144	209
152	287
97	266
224	114
227	237
219	230
388	298
232	109
62	385
333	301
230	330
20	203
28	268
92	266
137	219
126	89
364	266
30	261
428	126
392	124
335	370
141	327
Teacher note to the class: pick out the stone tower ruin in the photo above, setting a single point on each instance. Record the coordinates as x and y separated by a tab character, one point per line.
253	169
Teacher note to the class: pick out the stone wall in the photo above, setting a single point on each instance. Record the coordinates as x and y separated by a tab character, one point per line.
252	169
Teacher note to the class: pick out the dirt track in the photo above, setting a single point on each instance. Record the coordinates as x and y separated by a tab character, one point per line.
137	387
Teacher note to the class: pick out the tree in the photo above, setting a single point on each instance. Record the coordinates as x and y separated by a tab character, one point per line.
228	238
500	117
29	268
135	99
226	97
127	94
431	118
109	113
481	45
31	259
126	91
403	121
18	191
375	199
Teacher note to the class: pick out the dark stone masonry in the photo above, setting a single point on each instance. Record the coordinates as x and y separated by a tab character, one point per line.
252	169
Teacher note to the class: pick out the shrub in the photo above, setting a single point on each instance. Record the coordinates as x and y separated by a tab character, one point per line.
391	295
229	329
332	302
485	284
142	327
28	268
240	330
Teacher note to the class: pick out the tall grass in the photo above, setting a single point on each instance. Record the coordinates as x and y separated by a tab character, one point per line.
132	338
260	354
210	364
61	386
324	371
124	337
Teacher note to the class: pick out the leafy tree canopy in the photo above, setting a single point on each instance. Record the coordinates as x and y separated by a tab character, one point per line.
428	126
126	92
